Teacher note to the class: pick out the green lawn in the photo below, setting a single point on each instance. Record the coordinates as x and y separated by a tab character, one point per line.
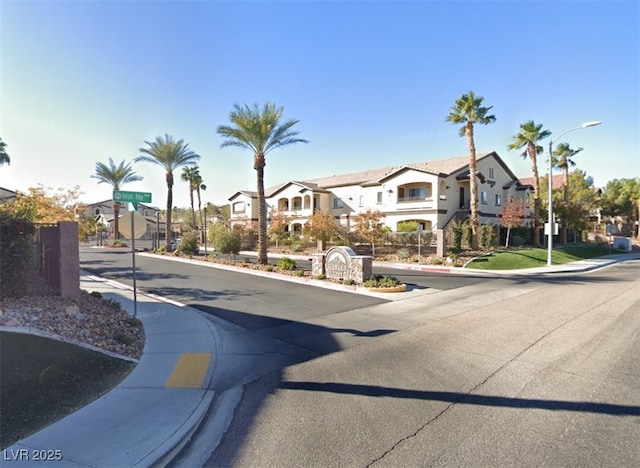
516	259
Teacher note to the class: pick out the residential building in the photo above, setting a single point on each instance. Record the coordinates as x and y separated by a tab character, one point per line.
102	212
6	194
430	193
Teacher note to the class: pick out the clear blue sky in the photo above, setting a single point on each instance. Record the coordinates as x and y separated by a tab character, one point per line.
371	83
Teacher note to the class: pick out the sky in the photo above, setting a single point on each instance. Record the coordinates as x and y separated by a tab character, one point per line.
371	83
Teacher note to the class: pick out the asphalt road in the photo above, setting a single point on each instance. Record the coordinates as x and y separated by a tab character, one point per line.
531	373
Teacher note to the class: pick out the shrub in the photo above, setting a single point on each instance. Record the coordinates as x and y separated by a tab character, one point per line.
403	254
349	282
296	247
300	273
189	244
268	268
488	236
228	242
456	235
321	277
379	281
517	241
286	263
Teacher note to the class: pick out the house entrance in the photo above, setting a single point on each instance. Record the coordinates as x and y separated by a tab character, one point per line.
462	198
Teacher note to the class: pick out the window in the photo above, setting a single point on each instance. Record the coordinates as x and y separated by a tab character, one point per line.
337	203
379	197
417	193
491	173
483	198
239	207
97	211
361	201
498	199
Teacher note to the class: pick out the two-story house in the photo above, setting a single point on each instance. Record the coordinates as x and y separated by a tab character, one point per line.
103	213
430	193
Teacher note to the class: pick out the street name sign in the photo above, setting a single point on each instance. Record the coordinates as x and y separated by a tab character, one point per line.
131	197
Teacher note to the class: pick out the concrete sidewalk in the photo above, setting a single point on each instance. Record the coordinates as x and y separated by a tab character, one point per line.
146	419
153	413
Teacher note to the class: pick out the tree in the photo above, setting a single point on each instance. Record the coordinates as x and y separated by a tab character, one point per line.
528	138
513	213
259	131
4	156
468	110
582	199
278	225
562	159
367	224
170	155
321	226
189	175
116	176
621	197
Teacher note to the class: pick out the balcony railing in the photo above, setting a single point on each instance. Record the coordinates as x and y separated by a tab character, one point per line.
411	199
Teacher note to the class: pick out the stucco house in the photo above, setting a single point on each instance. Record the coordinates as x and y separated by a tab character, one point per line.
431	193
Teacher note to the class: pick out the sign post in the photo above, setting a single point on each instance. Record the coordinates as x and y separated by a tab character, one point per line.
128	228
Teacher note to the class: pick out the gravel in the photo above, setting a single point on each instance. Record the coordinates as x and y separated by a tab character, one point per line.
87	319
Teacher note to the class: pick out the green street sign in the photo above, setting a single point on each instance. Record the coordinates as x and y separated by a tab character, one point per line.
131	197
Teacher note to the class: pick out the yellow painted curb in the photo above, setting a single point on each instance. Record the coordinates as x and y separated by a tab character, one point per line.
189	371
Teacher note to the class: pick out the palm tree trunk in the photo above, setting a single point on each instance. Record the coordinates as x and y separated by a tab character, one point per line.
565	220
193	210
167	236
262	212
536	194
116	221
473	186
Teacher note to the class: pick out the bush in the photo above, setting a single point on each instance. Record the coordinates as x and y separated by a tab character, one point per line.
403	254
349	282
286	263
321	277
379	281
228	242
300	273
189	244
517	241
268	268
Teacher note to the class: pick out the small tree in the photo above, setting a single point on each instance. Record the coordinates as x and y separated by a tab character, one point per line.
368	225
321	226
512	214
228	242
278	225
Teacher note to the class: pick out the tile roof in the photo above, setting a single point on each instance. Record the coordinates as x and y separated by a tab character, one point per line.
375	176
557	181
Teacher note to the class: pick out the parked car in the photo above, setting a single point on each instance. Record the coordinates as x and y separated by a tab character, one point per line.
174	243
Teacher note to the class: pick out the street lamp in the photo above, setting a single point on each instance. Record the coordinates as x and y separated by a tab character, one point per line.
205	231
592	123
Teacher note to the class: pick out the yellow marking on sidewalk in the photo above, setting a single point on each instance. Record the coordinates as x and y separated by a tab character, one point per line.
189	371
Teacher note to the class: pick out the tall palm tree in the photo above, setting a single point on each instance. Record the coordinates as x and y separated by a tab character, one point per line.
468	110
259	130
169	154
188	175
528	138
4	156
116	176
562	159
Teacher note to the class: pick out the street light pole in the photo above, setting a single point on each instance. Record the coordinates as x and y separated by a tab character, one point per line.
205	231
592	123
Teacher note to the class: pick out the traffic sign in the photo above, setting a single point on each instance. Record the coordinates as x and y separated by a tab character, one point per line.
132	225
133	197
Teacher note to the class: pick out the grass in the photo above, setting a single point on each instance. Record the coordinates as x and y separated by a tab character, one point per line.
530	258
44	380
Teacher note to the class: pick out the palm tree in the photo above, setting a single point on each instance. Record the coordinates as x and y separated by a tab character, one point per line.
170	155
562	159
188	175
4	156
116	176
468	110
258	130
528	138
